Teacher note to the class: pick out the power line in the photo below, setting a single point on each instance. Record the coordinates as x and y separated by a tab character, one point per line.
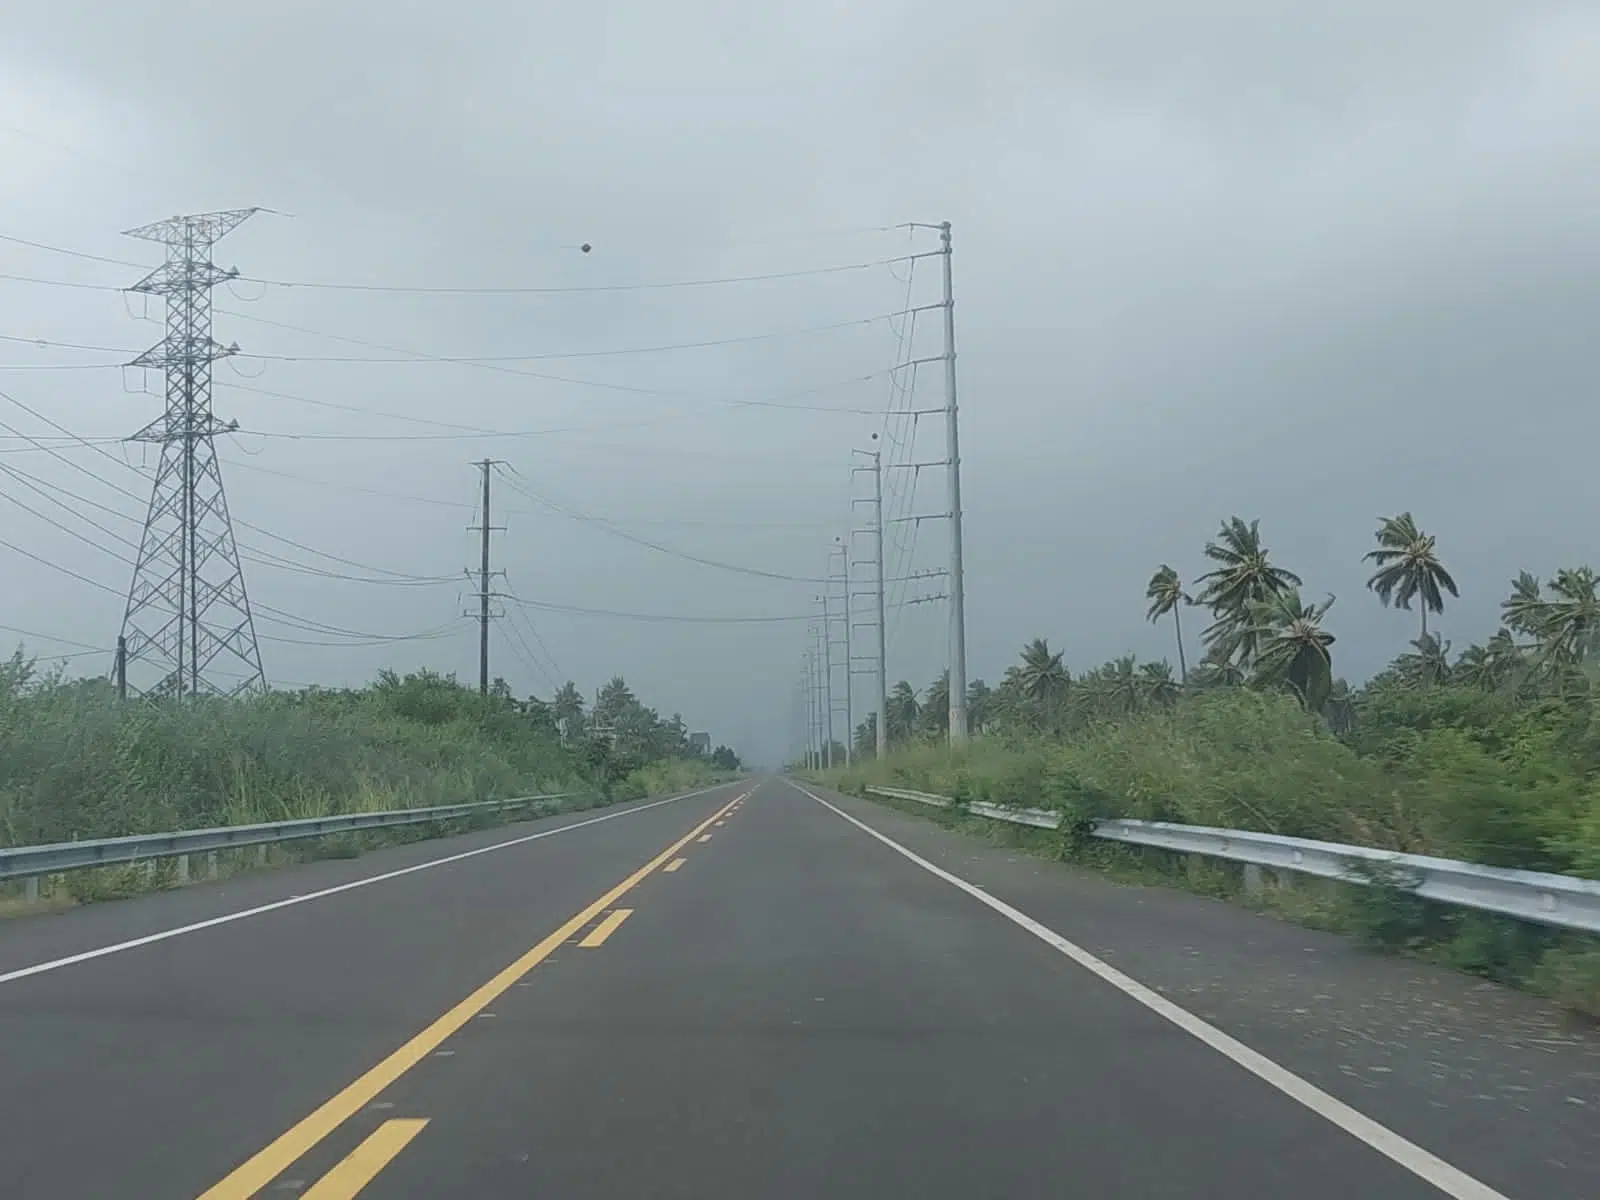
613	352
55	453
471	290
672	618
572	514
716	281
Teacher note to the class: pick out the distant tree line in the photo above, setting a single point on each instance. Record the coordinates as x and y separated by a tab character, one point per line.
1262	634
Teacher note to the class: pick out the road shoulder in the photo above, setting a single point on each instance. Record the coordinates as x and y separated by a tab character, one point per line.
1506	1086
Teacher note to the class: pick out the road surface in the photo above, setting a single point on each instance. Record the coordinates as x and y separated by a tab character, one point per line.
755	991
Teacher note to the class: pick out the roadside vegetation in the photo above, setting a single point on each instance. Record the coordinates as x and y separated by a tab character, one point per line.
77	763
1490	754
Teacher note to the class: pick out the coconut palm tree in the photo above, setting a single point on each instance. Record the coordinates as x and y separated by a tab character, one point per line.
1243	579
980	705
1294	646
902	712
1526	610
934	718
1427	664
567	705
1165	593
1572	616
1409	568
1157	684
1040	680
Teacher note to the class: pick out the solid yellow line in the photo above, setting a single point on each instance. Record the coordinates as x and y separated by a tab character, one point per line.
704	838
366	1160
674	865
599	934
250	1176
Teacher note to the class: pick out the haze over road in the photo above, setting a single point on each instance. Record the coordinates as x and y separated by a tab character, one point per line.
761	991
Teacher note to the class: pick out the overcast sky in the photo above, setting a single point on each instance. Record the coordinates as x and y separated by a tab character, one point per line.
1313	264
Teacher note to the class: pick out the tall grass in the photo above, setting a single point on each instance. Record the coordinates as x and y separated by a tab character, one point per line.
77	763
1447	772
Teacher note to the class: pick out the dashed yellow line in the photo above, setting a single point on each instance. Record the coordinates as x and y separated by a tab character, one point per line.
599	934
674	865
366	1160
261	1168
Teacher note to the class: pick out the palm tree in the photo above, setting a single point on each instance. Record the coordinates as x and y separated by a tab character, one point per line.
1041	680
1243	578
902	711
1494	667
1408	568
1572	619
567	704
1427	664
1525	609
1157	684
935	715
980	705
1294	646
1165	593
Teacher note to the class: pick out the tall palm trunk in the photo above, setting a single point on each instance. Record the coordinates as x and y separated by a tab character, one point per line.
1183	666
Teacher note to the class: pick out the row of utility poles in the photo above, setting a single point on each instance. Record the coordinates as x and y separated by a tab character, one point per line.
818	660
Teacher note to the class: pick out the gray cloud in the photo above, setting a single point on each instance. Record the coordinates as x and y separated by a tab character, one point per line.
1312	266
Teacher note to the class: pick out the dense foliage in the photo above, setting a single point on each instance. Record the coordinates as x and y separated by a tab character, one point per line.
76	762
1491	754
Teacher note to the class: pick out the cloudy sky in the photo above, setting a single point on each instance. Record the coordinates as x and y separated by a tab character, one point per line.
1312	264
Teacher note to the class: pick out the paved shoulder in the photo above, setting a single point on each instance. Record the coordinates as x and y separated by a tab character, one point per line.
1503	1085
153	1069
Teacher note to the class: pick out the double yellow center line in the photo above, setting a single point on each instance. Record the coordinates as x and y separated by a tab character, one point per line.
256	1172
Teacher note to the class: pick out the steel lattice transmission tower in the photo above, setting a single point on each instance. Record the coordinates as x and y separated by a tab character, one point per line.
187	628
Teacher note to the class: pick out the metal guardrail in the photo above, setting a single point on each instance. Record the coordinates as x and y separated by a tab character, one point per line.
1547	899
30	862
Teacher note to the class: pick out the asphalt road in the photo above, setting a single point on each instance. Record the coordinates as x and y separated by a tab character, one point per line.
754	991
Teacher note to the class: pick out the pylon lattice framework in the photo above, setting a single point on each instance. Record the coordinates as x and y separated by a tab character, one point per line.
187	625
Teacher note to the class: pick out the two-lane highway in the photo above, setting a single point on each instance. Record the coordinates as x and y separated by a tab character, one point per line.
748	992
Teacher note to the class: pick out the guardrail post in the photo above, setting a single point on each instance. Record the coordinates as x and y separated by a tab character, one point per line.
30	889
1252	878
183	868
261	855
211	865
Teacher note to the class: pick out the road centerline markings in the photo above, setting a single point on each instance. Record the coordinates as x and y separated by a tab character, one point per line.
703	838
1450	1180
363	1163
674	865
598	935
261	1168
149	939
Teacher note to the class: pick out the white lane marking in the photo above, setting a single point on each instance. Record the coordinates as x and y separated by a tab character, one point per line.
167	934
1450	1180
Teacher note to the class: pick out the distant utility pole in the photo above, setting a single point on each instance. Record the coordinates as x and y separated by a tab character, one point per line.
484	528
813	701
825	648
876	530
187	608
842	548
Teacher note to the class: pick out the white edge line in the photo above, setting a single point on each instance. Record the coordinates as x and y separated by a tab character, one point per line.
1448	1179
57	964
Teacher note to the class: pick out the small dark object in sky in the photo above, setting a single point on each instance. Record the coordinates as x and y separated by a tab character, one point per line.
586	247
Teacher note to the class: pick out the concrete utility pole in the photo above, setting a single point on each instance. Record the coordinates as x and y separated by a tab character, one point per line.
825	641
958	587
843	548
484	528
882	721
